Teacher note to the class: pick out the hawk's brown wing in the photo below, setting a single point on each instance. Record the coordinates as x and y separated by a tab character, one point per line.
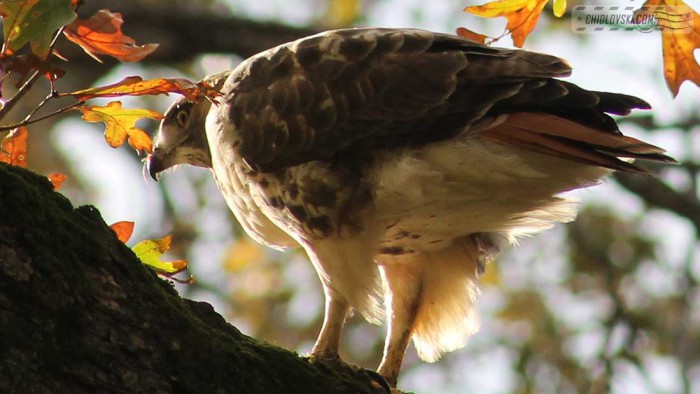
357	90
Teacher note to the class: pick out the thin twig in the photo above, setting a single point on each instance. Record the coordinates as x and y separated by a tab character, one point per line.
39	119
24	89
38	107
10	104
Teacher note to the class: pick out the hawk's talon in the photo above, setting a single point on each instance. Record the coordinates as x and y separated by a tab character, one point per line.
379	381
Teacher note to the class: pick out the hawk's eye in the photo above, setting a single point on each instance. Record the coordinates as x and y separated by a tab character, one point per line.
181	117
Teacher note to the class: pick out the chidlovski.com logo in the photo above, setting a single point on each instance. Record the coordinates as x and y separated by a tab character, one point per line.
587	19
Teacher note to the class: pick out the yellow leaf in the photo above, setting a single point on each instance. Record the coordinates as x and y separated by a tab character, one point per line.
121	124
680	39
522	15
150	252
559	8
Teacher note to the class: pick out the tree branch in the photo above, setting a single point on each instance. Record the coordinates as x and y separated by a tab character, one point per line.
658	194
80	314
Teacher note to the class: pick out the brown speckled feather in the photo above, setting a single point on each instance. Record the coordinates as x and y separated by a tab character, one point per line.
364	89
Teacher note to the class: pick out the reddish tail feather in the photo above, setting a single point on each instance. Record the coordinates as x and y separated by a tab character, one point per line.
555	136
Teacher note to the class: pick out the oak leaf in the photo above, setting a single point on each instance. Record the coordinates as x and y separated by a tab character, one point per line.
150	252
681	37
13	148
101	34
123	230
121	124
136	86
56	179
33	22
522	15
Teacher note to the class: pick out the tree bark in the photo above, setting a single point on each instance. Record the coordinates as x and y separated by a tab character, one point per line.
80	314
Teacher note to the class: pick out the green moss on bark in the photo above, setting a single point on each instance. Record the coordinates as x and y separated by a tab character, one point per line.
80	314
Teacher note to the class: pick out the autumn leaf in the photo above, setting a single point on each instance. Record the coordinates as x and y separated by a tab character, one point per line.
13	148
33	22
121	124
136	86
150	252
476	37
680	39
522	15
24	64
56	179
102	35
123	230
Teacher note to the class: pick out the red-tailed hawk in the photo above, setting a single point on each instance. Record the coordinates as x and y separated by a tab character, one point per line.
401	160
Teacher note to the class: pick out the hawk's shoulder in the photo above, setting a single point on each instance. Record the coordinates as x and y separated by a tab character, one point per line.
366	89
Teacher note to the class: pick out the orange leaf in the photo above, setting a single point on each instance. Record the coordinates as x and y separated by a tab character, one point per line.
123	229
121	124
57	179
102	35
522	15
13	148
136	86
164	243
476	37
680	39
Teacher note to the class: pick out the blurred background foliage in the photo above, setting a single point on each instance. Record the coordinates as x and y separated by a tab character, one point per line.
609	303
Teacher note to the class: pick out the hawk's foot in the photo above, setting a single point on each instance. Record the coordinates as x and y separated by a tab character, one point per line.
334	362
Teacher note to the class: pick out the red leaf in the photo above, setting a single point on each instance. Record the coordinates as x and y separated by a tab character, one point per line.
102	35
13	148
25	64
123	230
57	179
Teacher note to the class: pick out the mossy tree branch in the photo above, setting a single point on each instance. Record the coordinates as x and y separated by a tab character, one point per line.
80	314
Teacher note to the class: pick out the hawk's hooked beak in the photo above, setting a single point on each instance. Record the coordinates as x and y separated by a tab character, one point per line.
155	165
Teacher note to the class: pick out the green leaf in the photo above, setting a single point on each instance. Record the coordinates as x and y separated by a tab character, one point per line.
33	22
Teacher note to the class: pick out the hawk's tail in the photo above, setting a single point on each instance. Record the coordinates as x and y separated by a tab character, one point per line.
556	136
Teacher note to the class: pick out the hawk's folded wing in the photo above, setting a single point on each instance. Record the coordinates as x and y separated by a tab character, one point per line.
356	90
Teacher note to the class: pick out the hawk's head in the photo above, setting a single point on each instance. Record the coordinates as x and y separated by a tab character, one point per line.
182	137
